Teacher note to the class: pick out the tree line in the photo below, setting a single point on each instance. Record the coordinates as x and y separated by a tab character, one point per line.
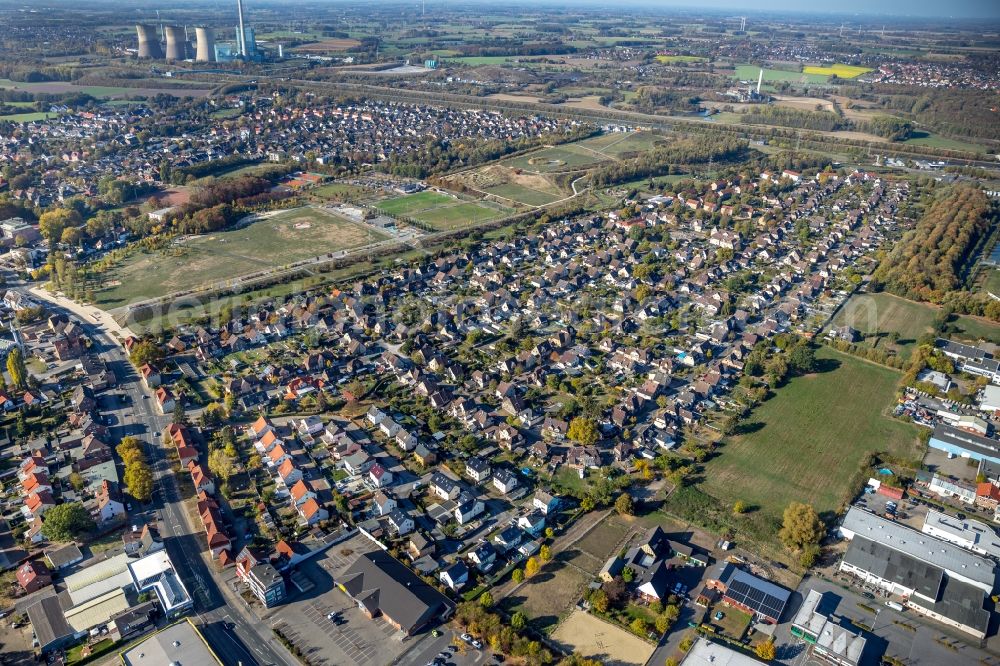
660	161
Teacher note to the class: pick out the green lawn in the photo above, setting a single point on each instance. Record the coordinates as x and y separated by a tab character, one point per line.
28	117
807	442
409	204
557	158
285	238
340	189
442	211
616	144
974	329
931	140
525	195
884	313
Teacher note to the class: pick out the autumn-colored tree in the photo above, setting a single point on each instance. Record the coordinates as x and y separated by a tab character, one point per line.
139	480
583	430
801	527
545	553
531	567
16	368
765	650
517	576
624	505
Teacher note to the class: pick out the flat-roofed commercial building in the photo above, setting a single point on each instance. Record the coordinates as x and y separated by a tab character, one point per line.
180	643
969	534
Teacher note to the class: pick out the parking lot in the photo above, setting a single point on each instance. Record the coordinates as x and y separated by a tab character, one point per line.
351	638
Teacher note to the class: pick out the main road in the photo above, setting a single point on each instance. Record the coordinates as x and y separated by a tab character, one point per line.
237	637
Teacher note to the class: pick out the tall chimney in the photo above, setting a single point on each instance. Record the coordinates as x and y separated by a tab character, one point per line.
760	79
241	39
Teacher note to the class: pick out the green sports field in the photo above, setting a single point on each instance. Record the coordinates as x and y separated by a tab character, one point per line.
808	441
442	211
558	158
525	195
285	238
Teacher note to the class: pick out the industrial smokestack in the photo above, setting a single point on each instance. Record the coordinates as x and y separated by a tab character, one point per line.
241	39
176	46
760	79
206	44
149	44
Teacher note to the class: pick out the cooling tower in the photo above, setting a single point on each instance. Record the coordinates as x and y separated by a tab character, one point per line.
149	44
206	44
176	45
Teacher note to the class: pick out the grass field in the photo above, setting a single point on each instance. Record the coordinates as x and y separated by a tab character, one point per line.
807	442
974	329
750	73
617	144
60	87
442	211
282	239
884	313
341	189
28	117
840	71
557	158
547	597
525	195
931	140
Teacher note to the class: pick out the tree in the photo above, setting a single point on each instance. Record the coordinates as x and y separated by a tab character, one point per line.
71	236
76	480
599	601
531	567
221	464
517	576
662	624
16	367
628	574
486	600
739	507
765	650
52	223
139	479
68	521
623	505
549	532
130	450
802	359
518	621
583	430
214	414
145	352
545	553
180	416
801	527
639	626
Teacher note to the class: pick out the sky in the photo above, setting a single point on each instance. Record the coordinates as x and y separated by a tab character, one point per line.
925	8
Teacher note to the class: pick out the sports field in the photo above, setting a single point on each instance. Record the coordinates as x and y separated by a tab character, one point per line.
442	211
884	314
840	71
282	239
750	73
807	442
667	59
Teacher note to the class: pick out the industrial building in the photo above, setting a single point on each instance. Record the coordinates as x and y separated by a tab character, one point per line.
969	534
933	576
176	42
964	444
180	643
205	38
826	637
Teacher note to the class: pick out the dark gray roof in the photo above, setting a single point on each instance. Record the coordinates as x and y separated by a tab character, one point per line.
382	583
893	565
958	349
49	622
981	446
64	556
960	602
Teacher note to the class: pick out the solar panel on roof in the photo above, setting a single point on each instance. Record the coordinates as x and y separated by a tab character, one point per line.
755	599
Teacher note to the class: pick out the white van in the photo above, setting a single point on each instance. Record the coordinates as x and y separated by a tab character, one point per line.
895	606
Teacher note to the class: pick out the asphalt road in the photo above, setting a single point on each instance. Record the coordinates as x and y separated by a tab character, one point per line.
235	634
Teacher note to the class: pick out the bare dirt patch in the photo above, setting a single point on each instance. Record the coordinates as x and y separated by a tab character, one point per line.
592	637
330	45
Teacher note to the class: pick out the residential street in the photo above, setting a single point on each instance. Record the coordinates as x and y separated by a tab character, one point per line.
227	623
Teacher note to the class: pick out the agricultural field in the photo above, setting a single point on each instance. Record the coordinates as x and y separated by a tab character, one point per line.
750	73
884	314
668	59
807	442
974	329
589	636
276	241
60	87
28	117
442	211
840	71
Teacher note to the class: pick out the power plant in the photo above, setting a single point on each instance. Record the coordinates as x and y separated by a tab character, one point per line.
149	42
176	44
206	44
205	49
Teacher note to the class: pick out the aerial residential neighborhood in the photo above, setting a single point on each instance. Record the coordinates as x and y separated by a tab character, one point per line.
410	334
